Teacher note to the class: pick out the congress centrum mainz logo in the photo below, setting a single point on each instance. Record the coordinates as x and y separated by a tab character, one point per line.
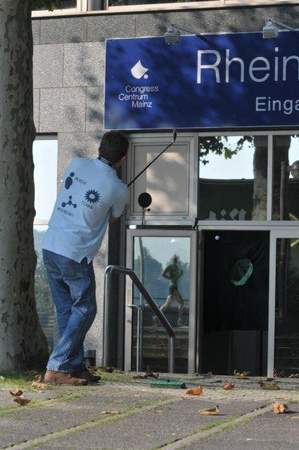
138	96
139	71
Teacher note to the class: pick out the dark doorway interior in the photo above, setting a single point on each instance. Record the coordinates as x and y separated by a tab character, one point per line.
235	302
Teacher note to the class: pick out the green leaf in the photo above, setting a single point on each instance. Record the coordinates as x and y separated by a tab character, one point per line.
228	153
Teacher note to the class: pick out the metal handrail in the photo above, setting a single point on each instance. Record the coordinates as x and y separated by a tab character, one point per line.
152	304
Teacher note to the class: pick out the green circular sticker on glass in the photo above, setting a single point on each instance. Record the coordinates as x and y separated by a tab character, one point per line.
241	272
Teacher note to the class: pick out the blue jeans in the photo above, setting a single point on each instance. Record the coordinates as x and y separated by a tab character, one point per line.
73	290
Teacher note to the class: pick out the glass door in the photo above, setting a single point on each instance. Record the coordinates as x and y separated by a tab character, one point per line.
164	260
234	301
283	356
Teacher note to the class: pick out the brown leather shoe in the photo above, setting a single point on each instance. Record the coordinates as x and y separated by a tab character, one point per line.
88	376
52	377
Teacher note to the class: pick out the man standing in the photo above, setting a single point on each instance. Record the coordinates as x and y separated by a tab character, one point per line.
91	195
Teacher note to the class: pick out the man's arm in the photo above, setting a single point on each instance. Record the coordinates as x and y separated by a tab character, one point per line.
119	205
166	273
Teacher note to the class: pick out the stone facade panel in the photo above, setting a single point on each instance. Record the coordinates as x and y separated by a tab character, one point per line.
48	66
94	108
36	31
100	28
83	64
61	30
62	110
36	108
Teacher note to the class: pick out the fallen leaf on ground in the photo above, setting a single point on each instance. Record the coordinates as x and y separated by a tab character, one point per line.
16	393
228	386
40	386
111	412
279	408
22	401
210	411
38	378
146	375
38	383
269	386
152	375
198	390
241	375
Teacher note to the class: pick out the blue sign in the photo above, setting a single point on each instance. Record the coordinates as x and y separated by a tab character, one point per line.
225	81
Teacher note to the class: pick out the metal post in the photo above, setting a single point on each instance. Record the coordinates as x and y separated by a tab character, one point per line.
104	321
138	336
171	354
106	296
139	339
140	310
159	314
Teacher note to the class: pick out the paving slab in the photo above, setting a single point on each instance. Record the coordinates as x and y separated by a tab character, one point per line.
6	399
26	423
146	418
266	432
154	428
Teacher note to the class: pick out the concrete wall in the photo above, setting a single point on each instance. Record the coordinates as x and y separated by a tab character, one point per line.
69	55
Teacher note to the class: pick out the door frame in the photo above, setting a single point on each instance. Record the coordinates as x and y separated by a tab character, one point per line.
278	233
192	234
276	229
275	233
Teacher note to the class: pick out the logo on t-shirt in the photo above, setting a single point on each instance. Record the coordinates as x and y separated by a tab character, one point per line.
69	180
69	203
92	196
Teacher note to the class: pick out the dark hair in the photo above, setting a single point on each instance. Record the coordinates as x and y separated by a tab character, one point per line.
114	146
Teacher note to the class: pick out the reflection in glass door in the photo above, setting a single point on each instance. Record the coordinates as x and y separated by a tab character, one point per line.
285	172
286	348
232	183
164	265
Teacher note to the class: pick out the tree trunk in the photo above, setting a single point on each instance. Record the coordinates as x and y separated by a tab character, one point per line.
279	203
22	342
281	177
260	168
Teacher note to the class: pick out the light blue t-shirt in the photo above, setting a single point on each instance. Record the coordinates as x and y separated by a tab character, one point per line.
90	195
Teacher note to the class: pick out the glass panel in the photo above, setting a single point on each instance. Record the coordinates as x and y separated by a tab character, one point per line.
235	301
44	304
146	2
166	180
61	4
287	307
233	178
45	178
163	265
285	177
